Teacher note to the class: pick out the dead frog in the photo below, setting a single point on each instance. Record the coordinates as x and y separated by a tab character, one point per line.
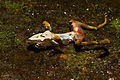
49	39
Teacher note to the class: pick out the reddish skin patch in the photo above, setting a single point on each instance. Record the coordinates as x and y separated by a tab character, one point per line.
80	33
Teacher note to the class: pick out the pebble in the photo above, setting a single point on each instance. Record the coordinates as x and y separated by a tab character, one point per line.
65	13
32	14
110	19
29	10
33	33
37	13
87	9
73	5
111	78
109	72
28	29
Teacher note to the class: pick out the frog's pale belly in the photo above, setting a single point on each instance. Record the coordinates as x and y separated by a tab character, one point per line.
41	36
49	35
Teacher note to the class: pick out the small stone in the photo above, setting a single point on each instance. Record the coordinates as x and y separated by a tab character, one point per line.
28	29
109	72
65	13
37	13
29	11
32	14
84	69
33	33
87	9
111	78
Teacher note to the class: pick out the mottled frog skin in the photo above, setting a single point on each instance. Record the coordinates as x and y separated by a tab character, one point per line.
76	36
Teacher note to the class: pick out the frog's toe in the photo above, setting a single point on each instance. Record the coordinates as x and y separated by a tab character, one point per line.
105	41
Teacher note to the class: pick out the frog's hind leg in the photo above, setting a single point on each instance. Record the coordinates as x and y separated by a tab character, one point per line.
105	41
85	26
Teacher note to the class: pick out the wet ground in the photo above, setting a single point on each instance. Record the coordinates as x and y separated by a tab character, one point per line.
21	19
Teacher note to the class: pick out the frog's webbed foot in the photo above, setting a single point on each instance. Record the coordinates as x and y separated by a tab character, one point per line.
105	41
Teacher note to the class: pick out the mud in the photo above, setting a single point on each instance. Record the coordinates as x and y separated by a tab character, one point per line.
21	19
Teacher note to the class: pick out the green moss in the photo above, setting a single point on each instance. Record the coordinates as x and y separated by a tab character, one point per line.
11	5
1	22
18	41
116	24
8	40
78	61
15	6
4	40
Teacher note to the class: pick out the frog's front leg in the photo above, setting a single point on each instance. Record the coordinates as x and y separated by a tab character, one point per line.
47	25
105	41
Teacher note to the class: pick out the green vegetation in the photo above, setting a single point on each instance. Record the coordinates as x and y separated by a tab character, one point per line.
5	40
8	40
78	61
18	7
116	24
1	22
11	5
